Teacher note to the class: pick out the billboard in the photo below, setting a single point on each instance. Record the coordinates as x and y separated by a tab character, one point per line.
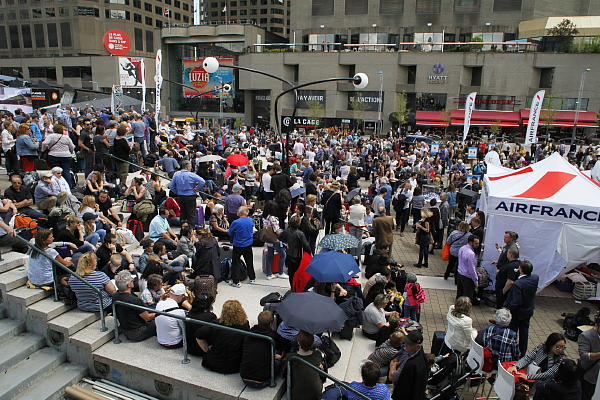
368	99
44	97
131	71
13	98
307	97
195	76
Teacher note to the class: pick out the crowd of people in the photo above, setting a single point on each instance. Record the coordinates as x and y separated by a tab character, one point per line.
298	192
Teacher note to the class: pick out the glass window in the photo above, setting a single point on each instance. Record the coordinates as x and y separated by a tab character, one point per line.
186	7
148	7
158	10
137	18
178	16
233	3
13	31
3	38
186	19
214	13
177	4
214	4
158	23
50	12
1	16
138	41
22	1
24	14
9	2
63	11
263	20
233	13
52	35
12	14
263	2
38	31
36	12
137	3
26	34
150	41
264	11
148	21
253	11
243	3
243	12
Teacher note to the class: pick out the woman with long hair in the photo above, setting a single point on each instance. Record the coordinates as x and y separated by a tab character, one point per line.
418	202
456	239
547	356
332	205
271	219
89	206
94	184
121	150
296	246
26	147
207	255
460	325
424	232
224	348
87	299
40	268
202	310
136	191
73	233
155	189
565	385
60	149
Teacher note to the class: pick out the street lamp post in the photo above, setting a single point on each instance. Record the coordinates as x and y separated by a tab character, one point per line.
379	122
578	105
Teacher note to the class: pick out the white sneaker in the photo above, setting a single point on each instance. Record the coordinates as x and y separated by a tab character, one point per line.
271	277
252	281
283	275
235	285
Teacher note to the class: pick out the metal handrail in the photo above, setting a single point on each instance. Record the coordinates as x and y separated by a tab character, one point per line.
186	360
162	176
321	372
55	264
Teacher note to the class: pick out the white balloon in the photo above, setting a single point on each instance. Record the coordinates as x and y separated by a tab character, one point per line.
363	80
210	65
226	87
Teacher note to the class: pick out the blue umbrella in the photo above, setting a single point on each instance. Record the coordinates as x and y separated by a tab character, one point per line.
311	312
332	267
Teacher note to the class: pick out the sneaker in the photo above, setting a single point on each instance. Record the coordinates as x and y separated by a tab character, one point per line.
283	275
271	277
236	285
252	281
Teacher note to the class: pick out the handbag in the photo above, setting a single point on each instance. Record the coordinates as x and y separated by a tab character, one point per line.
445	253
44	153
267	235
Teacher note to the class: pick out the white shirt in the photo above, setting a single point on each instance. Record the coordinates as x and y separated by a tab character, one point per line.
266	181
169	331
311	156
61	183
344	171
298	148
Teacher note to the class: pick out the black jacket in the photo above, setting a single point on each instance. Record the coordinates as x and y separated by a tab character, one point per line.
225	353
256	354
279	182
310	188
121	148
296	242
412	382
521	297
207	258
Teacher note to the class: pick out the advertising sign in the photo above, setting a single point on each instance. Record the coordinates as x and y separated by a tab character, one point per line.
468	111
131	71
534	117
195	76
44	97
299	122
369	99
116	42
472	153
306	97
13	98
435	148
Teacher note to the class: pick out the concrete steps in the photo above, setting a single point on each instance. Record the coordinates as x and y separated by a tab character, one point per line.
73	321
19	348
53	385
13	279
48	309
10	328
11	260
26	297
90	338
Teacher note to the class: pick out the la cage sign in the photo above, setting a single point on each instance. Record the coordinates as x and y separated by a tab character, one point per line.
300	122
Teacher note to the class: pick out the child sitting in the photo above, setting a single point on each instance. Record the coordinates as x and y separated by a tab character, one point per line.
154	290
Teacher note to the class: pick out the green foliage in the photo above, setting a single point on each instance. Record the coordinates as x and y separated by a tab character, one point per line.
548	115
401	111
470	47
495	128
237	123
316	111
586	45
564	33
358	108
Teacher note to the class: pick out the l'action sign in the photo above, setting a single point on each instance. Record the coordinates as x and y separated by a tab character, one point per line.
116	42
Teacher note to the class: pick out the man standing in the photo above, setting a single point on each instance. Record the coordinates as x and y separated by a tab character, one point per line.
379	201
139	128
388	194
233	202
477	229
409	369
493	158
521	297
467	274
242	232
169	331
266	183
280	181
445	216
21	197
137	324
85	142
187	185
383	228
589	353
506	275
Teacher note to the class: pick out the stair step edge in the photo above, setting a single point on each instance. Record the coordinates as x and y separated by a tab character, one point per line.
19	348
52	386
73	322
25	296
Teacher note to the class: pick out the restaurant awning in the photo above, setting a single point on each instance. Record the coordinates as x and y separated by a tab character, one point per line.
586	119
432	118
487	118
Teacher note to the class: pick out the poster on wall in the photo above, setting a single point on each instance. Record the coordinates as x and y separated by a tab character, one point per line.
195	76
366	100
13	98
435	148
131	71
472	153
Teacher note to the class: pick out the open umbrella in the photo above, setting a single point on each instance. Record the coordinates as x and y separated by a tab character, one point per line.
339	241
237	160
210	158
332	267
311	312
351	194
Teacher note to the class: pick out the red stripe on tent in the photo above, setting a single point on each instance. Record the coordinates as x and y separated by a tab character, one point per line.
548	186
523	171
591	180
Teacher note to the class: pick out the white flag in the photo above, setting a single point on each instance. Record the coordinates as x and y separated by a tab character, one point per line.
143	72
158	79
534	117
470	104
225	8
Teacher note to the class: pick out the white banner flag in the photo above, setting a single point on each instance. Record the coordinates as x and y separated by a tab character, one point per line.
158	79
470	104
534	117
143	72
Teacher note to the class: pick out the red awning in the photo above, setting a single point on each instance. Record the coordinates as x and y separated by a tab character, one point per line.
460	122
487	118
432	123
586	119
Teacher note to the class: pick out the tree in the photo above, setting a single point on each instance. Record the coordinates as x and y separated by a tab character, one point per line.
548	115
237	123
564	33
358	108
401	110
446	118
495	128
316	111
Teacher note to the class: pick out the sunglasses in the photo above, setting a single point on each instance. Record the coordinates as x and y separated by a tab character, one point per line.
560	347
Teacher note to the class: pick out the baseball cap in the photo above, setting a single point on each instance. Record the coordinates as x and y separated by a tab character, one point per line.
413	338
237	187
89	216
179	289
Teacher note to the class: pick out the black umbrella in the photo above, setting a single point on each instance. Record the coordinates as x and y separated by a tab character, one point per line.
312	313
351	194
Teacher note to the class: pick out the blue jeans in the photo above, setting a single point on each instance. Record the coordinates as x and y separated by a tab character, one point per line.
168	243
411	312
96	237
174	221
85	248
170	277
65	164
30	212
140	140
277	247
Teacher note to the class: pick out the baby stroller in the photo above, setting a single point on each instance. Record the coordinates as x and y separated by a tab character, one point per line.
443	384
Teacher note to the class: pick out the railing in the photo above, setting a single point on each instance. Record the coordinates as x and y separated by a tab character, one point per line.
65	269
321	372
186	360
162	176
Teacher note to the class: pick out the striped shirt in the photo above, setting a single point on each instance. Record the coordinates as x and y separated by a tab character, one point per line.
383	355
87	299
548	365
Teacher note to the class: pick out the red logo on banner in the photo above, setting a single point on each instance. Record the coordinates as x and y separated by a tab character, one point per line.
116	42
199	77
548	185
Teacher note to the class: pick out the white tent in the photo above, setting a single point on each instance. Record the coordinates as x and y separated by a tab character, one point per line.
554	208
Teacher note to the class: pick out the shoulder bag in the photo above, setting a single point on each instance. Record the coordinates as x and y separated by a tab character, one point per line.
44	153
267	234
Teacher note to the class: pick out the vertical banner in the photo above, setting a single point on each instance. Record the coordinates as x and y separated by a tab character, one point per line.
534	117
472	153
469	105
143	72
158	79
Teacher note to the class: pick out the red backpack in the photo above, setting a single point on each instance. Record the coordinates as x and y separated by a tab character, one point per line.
136	228
25	221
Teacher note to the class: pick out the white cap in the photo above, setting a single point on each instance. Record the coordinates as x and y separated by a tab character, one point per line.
178	289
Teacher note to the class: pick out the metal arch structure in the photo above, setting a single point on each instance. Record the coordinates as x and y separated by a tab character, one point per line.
116	98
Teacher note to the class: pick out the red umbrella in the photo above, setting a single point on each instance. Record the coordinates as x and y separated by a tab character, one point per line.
237	160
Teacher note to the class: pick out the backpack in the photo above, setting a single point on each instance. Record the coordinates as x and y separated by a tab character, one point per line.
150	159
25	221
226	265
143	209
483	277
572	321
331	352
30	180
136	228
